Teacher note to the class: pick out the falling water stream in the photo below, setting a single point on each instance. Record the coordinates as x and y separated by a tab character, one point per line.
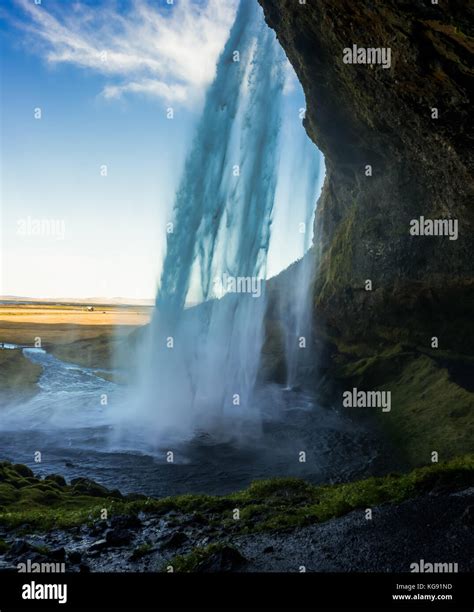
199	368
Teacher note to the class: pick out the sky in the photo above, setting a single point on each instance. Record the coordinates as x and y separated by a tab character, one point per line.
91	152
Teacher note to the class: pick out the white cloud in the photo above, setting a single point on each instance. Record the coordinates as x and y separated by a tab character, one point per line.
167	53
169	93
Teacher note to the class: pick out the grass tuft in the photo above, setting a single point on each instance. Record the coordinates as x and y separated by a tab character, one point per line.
266	505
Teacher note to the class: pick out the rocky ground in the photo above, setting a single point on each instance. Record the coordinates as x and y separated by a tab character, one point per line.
436	528
276	525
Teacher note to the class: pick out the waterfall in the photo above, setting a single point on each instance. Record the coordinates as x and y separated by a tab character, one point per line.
200	364
295	290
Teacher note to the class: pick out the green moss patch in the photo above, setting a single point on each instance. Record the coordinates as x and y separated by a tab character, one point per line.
266	505
3	547
218	557
18	375
336	268
141	551
430	411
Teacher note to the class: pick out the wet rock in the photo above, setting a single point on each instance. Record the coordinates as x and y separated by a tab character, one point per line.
58	553
59	480
227	559
98	527
191	519
97	546
140	552
84	486
74	557
35	557
23	470
19	547
95	553
171	514
125	522
467	517
177	539
203	541
195	519
118	537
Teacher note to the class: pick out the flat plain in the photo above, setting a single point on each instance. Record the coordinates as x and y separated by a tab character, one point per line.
86	334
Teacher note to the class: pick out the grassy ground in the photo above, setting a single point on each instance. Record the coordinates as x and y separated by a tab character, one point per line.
18	376
109	350
268	505
432	397
71	333
64	323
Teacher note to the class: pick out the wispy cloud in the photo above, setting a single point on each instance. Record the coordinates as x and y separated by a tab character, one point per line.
152	49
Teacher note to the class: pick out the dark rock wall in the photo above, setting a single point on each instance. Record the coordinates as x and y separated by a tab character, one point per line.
359	115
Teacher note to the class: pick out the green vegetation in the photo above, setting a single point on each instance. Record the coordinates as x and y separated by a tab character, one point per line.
18	375
43	504
105	352
94	352
266	505
430	411
3	547
336	267
197	557
142	551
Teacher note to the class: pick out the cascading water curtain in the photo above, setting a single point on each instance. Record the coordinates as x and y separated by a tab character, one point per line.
199	366
295	295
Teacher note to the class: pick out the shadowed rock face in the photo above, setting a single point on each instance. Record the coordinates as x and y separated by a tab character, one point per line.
358	115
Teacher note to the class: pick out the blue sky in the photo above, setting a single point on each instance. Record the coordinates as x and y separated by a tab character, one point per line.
104	74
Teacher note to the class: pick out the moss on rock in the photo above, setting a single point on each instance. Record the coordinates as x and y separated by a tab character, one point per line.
215	557
431	408
18	375
266	505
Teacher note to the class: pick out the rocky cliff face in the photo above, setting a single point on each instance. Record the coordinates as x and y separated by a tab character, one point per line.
363	115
